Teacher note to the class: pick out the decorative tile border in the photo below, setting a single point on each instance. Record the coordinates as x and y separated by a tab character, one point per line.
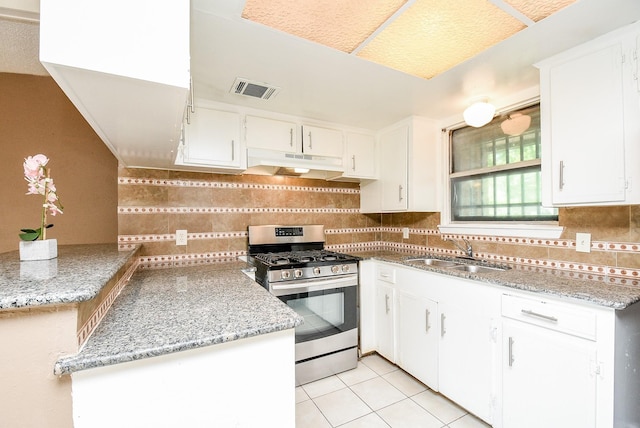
349	231
231	210
227	185
141	239
412	231
94	320
177	260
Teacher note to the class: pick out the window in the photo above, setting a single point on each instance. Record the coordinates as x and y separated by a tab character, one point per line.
495	176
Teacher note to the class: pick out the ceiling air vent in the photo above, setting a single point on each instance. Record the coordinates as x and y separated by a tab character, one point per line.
254	89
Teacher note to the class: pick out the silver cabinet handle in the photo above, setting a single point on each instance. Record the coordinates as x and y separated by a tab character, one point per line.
443	330
233	150
539	315
192	95
353	162
511	351
400	193
291	137
561	183
310	142
427	312
190	104
386	303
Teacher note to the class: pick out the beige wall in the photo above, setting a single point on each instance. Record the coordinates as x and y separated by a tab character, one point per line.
36	117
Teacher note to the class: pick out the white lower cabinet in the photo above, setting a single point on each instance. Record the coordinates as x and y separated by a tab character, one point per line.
385	302
425	323
548	378
467	352
418	335
514	359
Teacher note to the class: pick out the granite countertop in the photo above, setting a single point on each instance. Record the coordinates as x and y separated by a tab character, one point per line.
536	280
169	310
77	274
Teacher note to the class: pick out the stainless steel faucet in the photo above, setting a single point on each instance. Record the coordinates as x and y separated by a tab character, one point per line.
468	250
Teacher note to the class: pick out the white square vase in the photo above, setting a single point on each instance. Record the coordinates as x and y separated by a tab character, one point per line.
38	250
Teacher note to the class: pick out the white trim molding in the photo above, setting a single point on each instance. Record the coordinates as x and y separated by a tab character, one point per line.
513	230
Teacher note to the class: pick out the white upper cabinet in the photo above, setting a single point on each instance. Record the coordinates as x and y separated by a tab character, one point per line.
394	175
359	156
292	137
125	66
271	134
590	127
322	141
409	176
212	139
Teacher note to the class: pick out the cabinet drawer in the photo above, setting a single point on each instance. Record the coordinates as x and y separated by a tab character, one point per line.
386	274
561	317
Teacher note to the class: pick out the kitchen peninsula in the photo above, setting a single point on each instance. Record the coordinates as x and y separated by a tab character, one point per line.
159	313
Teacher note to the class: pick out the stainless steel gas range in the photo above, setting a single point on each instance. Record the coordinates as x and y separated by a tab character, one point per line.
320	285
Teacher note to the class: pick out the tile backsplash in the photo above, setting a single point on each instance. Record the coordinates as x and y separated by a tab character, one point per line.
216	209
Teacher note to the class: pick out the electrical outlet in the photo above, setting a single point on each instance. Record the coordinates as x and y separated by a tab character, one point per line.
583	242
181	237
405	233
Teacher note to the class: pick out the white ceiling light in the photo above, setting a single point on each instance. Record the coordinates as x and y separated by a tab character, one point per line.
516	124
479	114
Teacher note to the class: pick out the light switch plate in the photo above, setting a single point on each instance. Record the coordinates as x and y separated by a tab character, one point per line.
583	242
405	233
181	237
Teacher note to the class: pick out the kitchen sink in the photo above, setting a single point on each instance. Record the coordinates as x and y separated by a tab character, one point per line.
435	262
477	269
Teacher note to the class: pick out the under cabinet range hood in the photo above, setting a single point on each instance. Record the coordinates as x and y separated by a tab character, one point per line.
272	162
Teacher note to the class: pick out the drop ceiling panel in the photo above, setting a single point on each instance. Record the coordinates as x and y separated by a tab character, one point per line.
340	24
538	10
433	36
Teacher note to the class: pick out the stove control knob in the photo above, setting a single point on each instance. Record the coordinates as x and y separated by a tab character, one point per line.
345	268
316	271
285	274
297	273
335	269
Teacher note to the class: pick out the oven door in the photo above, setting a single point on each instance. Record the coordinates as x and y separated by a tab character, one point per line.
328	307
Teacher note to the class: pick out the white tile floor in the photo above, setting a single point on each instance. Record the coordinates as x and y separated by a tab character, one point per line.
376	394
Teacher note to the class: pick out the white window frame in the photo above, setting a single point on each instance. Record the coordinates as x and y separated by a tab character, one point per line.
540	230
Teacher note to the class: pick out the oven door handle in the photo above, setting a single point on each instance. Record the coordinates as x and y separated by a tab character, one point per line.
305	285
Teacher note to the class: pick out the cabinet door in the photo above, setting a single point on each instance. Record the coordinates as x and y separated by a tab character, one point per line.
322	141
418	337
466	357
263	133
393	169
548	378
367	305
213	138
587	129
360	158
385	301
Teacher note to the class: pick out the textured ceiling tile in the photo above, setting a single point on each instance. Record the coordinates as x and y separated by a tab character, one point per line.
433	36
19	47
537	10
340	24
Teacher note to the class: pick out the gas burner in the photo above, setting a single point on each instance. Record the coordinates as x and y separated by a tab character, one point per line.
304	259
279	261
329	257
